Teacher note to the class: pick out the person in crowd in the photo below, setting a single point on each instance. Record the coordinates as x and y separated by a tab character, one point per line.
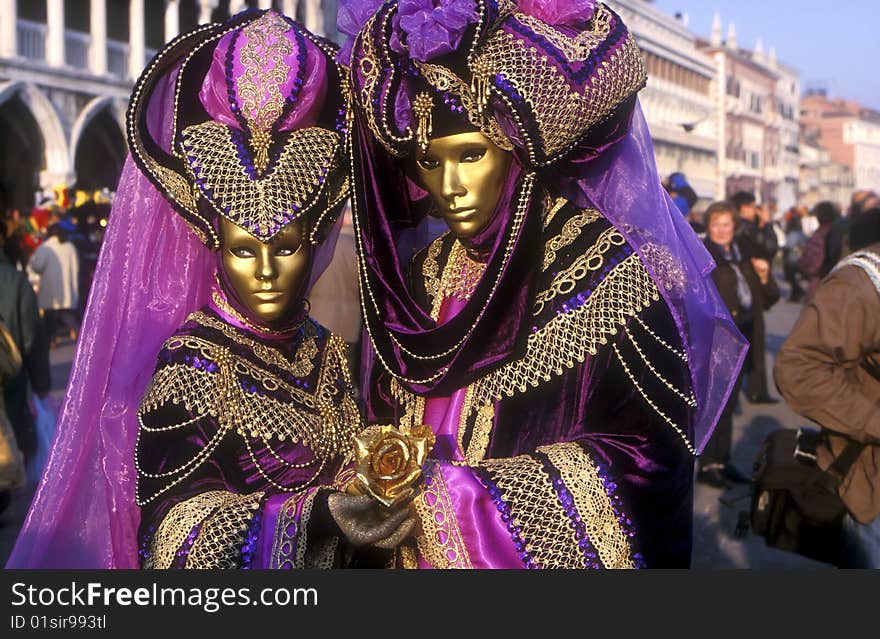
754	226
828	370
57	263
794	247
837	242
747	289
11	461
813	257
20	312
755	239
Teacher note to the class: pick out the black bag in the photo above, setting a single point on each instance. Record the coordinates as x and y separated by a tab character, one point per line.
795	504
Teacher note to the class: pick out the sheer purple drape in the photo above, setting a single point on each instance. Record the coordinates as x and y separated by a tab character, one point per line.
151	274
623	183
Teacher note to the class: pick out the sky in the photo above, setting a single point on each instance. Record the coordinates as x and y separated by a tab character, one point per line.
834	45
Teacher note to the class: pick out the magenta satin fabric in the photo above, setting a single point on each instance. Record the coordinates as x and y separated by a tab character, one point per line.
485	536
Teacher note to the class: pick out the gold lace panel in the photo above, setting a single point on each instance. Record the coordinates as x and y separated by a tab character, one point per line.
219	542
583	482
441	542
179	522
545	527
591	261
293	185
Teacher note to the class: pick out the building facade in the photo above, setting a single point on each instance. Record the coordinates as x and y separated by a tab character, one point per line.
756	97
66	72
849	131
678	101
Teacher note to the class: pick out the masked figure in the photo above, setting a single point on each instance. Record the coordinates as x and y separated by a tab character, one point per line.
562	337
236	448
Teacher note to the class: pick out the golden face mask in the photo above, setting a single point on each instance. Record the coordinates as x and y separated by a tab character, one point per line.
268	278
464	174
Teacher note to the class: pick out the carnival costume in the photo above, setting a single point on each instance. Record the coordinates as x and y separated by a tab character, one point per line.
574	354
242	423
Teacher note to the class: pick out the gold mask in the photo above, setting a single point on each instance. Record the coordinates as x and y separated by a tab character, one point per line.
268	278
465	175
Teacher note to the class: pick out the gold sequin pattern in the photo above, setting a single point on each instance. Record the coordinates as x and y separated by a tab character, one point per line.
593	504
260	205
222	535
545	527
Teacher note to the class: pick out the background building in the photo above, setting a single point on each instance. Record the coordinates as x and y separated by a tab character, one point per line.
849	131
758	117
677	101
66	71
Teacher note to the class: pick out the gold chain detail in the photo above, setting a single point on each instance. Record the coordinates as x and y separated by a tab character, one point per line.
444	79
537	511
571	230
460	277
219	542
582	480
592	260
688	399
651	403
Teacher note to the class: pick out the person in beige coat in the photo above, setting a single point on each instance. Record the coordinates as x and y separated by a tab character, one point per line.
57	263
828	370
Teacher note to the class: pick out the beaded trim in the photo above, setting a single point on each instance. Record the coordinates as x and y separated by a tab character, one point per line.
223	534
441	542
178	524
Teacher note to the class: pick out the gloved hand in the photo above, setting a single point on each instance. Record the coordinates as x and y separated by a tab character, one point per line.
365	522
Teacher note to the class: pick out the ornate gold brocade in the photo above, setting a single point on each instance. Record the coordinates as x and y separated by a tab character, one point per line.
294	183
581	478
459	279
571	230
219	542
592	260
265	42
177	525
290	545
440	541
323	420
562	114
552	210
537	511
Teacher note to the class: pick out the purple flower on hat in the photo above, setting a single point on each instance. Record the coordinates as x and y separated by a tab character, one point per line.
350	19
559	12
435	27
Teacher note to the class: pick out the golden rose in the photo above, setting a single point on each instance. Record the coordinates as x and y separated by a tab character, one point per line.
389	461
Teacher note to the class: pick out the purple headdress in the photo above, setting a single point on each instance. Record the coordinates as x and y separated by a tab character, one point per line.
202	92
556	82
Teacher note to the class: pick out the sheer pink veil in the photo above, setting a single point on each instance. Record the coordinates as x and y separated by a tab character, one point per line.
151	274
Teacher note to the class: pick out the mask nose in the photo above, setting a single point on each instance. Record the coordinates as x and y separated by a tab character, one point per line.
452	186
266	269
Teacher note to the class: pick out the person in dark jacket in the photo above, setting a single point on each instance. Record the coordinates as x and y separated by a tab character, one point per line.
19	310
754	229
747	289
